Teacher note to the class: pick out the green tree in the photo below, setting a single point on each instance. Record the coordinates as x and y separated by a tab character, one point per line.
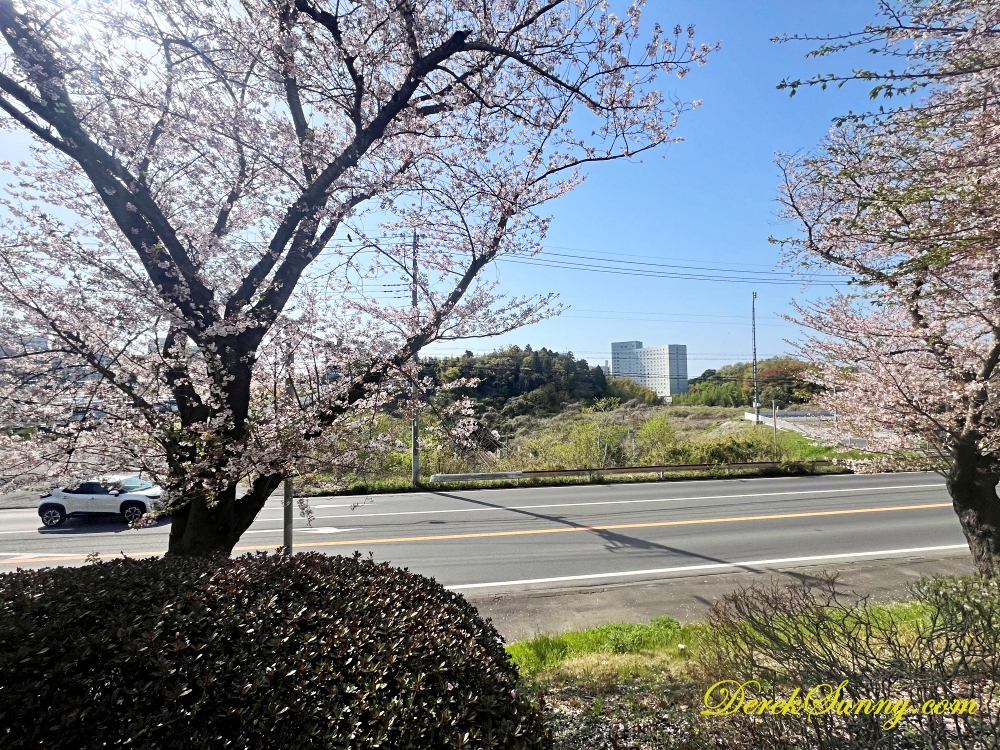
627	389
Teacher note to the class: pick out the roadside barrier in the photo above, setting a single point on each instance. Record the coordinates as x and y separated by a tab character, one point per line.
661	470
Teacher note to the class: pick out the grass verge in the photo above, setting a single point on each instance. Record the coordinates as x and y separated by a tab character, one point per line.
664	637
396	485
624	686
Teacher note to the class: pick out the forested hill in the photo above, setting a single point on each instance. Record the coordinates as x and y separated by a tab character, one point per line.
780	379
519	381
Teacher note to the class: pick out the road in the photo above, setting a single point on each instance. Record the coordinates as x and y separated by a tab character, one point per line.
537	538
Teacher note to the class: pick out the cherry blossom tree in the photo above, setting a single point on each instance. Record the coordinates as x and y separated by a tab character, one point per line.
928	43
909	357
200	259
903	201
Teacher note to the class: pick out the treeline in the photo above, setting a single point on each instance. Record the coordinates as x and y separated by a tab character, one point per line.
514	381
780	379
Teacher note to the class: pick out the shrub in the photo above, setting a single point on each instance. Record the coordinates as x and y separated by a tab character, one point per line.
626	389
656	440
258	652
738	447
946	646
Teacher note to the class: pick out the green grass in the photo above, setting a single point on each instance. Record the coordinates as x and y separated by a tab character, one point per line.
634	686
803	449
656	649
401	484
663	636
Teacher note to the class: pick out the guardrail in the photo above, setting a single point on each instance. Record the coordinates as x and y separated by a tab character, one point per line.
661	470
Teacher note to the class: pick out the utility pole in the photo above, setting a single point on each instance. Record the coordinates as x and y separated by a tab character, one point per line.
288	516
415	425
753	333
290	386
774	418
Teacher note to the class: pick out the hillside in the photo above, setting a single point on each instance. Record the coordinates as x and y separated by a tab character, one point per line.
515	381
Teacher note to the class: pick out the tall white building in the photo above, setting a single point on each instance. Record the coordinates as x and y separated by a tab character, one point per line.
663	369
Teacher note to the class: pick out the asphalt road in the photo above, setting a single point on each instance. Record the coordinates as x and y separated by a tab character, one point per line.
530	538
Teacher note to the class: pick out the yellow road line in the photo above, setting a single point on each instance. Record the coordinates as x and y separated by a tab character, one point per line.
531	532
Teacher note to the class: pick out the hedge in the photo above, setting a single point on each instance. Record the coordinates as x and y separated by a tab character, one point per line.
262	651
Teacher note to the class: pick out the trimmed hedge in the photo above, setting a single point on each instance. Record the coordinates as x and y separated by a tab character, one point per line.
262	651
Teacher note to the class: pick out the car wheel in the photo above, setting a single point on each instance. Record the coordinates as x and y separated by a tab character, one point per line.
52	515
132	512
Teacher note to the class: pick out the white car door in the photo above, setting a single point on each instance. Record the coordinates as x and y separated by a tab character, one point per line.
104	501
92	497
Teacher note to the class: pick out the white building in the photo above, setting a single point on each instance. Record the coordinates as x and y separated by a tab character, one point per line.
663	369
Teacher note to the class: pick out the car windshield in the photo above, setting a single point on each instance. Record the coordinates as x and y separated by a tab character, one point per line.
134	484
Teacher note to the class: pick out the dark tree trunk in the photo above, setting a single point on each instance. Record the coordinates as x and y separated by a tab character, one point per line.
210	526
198	530
201	530
972	483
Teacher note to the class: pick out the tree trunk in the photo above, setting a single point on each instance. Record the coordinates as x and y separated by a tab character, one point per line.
972	484
198	530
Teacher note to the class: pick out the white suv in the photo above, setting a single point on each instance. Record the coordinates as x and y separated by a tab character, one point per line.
124	495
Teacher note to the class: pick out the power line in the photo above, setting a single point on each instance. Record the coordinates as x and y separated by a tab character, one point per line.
688	322
640	312
537	261
610	265
671	265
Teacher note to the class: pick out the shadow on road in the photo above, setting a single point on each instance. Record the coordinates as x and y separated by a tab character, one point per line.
95	525
614	541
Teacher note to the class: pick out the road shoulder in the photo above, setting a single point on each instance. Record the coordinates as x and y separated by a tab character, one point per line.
523	614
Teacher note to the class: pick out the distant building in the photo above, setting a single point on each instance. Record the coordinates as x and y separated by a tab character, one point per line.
663	369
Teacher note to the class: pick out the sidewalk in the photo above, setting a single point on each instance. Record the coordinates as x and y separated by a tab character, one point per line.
19	499
520	615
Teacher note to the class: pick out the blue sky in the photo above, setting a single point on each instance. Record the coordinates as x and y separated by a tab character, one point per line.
709	199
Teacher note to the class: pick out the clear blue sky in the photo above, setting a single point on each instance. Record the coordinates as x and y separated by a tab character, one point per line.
709	199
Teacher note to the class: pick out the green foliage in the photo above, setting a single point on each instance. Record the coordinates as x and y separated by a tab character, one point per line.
544	651
258	652
520	381
626	390
737	447
946	645
515	381
593	445
656	441
780	379
716	394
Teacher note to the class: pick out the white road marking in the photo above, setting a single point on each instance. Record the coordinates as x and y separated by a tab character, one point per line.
327	529
709	566
60	555
297	529
550	505
630	502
